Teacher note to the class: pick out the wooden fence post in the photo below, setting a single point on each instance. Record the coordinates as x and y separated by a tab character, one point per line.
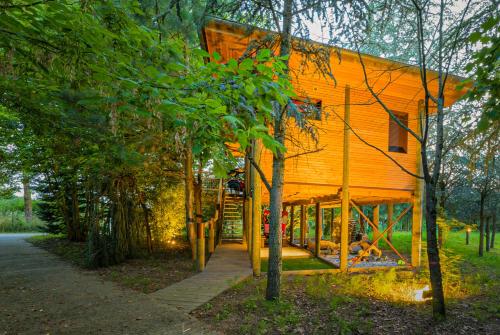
318	230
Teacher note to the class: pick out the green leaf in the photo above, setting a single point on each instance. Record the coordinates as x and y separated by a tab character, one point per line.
475	36
246	64
217	56
263	55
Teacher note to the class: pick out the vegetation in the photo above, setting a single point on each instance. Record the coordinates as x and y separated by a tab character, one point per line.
381	302
111	115
290	264
12	219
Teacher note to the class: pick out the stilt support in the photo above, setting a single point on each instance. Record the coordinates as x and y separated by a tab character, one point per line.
318	230
256	211
344	228
416	229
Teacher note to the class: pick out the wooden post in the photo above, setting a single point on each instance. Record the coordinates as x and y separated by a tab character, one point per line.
200	243
390	213
416	228
344	228
376	221
302	225
332	219
257	211
292	218
250	205
246	205
318	230
211	236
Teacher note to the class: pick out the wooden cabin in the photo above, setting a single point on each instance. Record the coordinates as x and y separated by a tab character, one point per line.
341	170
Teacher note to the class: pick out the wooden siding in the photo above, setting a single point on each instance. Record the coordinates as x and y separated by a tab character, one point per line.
373	176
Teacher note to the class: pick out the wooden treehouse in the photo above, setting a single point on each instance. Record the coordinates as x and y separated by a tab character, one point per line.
355	162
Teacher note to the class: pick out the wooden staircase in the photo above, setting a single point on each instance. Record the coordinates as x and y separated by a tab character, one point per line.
232	227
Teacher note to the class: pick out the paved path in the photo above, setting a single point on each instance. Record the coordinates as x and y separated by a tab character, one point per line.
41	294
227	266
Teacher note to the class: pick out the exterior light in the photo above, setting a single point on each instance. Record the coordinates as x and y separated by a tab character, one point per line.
420	295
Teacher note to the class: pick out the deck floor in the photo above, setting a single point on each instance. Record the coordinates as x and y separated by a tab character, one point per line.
287	251
226	267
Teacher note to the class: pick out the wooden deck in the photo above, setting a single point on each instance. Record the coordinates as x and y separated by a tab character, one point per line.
226	267
287	252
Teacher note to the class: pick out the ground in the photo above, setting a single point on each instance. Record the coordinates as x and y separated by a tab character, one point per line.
146	274
42	294
381	303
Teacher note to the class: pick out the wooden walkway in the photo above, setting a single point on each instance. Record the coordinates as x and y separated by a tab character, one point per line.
226	267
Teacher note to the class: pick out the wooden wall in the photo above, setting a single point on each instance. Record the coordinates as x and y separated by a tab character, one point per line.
318	174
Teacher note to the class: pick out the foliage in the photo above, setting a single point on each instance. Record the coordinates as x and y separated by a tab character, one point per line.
484	66
127	95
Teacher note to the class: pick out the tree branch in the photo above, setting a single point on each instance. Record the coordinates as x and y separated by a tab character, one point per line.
381	103
261	173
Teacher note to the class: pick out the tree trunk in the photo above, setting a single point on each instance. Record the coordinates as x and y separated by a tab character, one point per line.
276	194
390	214
442	188
200	229
438	305
188	198
149	240
487	233
481	225
28	206
79	233
493	230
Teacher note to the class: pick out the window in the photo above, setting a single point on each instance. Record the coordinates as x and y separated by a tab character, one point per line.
311	108
398	136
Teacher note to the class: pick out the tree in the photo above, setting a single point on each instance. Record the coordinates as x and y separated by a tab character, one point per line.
440	35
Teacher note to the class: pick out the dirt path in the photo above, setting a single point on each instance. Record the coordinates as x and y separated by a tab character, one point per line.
41	294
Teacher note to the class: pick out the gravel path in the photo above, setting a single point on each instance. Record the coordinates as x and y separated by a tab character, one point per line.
41	294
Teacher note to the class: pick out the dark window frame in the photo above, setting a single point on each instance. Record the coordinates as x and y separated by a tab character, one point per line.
398	136
311	108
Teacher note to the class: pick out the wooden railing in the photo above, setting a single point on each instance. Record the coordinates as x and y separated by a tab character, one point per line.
214	225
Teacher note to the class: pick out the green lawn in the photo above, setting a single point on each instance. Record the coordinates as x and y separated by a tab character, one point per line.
306	263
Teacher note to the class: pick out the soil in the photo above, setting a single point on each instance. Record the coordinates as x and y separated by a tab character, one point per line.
42	294
145	273
243	310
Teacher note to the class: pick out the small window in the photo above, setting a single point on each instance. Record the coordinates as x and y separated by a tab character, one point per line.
398	136
311	108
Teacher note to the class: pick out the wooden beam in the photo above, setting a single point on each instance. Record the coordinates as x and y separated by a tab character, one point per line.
292	219
416	228
200	243
376	221
344	229
303	218
375	241
246	204
313	200
390	213
211	236
332	219
375	229
257	211
318	230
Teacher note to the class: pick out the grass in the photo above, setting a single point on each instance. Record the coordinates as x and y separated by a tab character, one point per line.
14	223
377	303
306	263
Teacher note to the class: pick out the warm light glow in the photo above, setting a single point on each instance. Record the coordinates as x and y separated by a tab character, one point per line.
469	230
173	242
419	294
